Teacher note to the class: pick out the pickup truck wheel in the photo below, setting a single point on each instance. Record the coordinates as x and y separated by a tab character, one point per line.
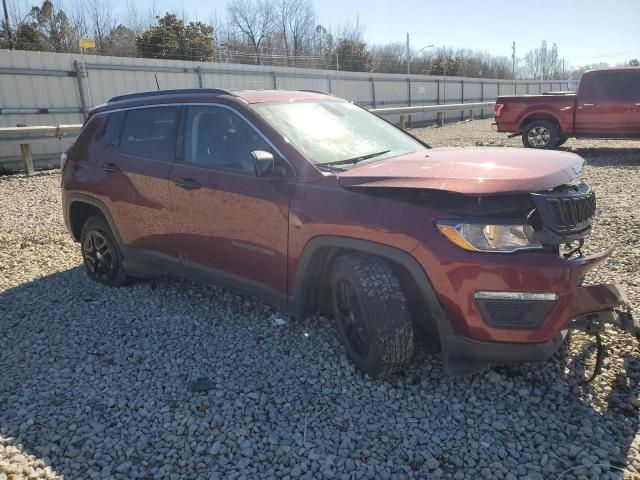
100	253
540	134
372	314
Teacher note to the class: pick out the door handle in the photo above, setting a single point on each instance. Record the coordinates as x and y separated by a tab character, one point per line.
109	167
637	104
187	183
588	104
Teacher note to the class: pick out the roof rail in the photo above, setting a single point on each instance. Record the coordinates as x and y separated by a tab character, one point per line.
315	91
159	93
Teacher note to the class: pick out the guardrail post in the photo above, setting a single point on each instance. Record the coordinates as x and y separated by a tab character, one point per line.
199	73
471	114
27	158
462	95
440	118
409	92
402	122
275	80
329	83
373	91
80	77
482	98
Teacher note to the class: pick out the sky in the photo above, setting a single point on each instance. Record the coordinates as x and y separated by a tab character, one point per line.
586	31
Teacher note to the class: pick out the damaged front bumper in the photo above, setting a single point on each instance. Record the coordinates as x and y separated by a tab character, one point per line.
579	307
604	304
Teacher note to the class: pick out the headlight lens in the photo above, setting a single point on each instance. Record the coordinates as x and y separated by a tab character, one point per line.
482	237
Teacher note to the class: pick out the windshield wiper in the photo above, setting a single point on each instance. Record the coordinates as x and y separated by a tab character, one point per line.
329	167
355	160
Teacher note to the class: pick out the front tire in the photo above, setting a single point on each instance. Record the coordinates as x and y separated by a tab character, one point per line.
372	314
541	134
100	253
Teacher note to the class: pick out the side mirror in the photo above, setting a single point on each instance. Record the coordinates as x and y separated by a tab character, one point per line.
264	163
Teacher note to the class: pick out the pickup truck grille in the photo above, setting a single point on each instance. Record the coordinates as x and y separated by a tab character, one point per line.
565	213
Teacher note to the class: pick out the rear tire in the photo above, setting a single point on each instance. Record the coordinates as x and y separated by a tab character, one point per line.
372	314
100	253
541	134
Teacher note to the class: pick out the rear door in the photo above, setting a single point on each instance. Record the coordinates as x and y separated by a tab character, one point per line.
604	104
229	222
132	177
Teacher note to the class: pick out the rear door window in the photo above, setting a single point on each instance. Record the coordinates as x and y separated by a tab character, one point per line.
150	132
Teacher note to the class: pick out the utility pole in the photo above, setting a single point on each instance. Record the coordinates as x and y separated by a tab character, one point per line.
513	58
7	25
408	56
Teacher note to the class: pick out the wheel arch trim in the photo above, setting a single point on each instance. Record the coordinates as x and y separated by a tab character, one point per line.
82	198
304	280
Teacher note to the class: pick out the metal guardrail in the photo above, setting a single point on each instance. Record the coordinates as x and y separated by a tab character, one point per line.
438	109
25	135
430	108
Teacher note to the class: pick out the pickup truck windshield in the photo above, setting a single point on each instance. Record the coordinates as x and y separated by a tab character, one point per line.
336	132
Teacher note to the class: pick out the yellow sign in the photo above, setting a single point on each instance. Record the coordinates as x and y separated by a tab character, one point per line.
87	43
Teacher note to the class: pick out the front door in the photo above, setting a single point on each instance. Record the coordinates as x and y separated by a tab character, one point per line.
229	222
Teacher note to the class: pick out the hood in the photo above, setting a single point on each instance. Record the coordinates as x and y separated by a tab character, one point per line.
477	171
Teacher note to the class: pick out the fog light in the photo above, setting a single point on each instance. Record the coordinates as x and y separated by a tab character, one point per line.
515	309
488	295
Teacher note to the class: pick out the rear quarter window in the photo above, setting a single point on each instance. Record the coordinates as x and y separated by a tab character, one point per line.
91	134
150	132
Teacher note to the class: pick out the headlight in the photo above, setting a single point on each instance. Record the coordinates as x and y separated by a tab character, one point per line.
483	237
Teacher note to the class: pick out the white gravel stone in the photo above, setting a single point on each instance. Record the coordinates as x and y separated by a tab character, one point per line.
96	382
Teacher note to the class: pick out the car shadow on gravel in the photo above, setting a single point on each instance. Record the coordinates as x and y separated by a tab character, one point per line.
95	382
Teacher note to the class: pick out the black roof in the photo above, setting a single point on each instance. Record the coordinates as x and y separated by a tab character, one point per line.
180	91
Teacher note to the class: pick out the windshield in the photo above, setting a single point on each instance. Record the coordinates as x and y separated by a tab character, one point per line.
334	131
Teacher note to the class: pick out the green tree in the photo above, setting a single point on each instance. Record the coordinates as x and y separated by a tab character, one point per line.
634	62
28	37
352	56
120	42
54	27
445	64
171	38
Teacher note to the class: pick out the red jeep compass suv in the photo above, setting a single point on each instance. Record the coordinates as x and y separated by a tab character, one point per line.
311	202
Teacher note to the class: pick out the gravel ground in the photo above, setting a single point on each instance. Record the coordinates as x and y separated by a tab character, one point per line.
172	379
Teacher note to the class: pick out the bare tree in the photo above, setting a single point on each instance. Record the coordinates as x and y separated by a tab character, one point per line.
255	19
543	63
297	21
101	22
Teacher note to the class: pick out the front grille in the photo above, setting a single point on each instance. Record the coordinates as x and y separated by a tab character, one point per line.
515	313
564	214
572	214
